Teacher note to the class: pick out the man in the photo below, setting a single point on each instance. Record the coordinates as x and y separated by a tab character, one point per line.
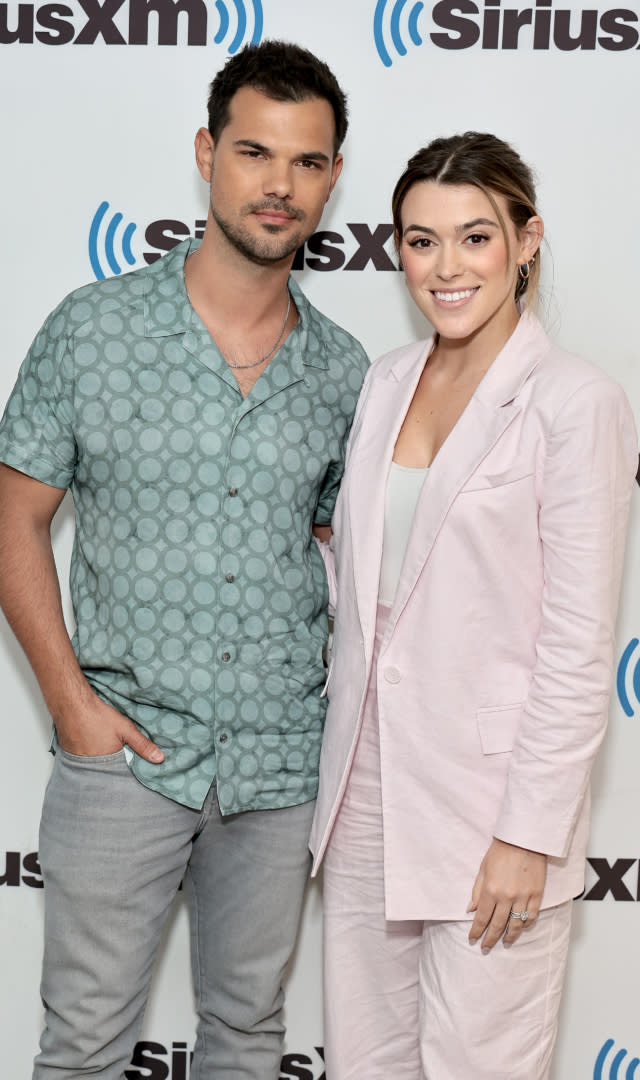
198	410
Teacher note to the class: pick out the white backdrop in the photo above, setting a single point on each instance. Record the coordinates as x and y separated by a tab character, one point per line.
91	114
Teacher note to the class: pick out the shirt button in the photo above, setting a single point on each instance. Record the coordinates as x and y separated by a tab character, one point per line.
392	675
223	738
233	492
229	577
226	656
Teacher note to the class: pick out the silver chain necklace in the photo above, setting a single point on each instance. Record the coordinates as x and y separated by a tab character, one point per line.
273	348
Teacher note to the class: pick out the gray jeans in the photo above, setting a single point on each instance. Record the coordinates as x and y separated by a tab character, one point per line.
113	854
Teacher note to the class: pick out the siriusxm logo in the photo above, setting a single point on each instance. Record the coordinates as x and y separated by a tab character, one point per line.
134	22
154	1061
104	235
111	251
612	881
461	24
160	1062
21	870
628	678
303	1066
611	1070
387	23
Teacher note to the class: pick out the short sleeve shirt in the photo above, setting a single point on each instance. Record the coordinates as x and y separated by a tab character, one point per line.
199	595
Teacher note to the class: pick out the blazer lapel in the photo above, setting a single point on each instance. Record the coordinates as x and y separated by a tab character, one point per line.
477	430
489	413
384	412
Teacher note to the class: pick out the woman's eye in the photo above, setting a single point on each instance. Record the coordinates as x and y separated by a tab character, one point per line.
421	242
476	238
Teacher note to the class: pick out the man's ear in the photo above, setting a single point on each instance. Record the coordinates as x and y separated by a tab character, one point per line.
397	240
204	147
336	169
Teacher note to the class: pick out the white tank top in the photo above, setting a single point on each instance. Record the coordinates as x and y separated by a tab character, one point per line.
404	485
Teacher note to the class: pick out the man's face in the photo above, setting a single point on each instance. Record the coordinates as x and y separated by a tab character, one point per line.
272	169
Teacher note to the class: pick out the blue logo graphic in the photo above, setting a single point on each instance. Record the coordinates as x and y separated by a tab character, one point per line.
621	679
106	248
241	23
394	26
613	1072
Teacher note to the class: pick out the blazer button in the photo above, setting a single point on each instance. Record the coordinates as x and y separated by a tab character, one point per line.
392	675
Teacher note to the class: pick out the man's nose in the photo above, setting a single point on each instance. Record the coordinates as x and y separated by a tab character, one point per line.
278	179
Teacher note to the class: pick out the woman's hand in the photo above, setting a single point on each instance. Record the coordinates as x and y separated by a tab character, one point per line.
510	879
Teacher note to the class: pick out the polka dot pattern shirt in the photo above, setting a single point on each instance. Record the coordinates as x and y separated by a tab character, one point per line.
199	595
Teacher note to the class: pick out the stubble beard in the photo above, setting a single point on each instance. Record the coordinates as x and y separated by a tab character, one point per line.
263	251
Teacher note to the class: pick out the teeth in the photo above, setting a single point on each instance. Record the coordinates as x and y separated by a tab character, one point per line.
449	297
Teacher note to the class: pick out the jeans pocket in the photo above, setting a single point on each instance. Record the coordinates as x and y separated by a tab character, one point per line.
92	759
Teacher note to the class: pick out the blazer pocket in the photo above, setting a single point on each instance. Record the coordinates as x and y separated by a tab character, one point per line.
487	481
497	727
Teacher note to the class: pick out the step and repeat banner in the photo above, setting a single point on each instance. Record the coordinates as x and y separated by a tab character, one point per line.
100	103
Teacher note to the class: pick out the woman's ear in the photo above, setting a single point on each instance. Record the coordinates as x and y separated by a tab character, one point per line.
531	238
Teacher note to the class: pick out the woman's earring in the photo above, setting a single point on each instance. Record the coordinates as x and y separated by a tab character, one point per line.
524	271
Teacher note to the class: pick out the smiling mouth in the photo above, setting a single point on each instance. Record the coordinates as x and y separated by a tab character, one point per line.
452	297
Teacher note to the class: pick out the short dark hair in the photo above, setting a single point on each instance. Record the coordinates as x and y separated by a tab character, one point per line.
488	163
282	71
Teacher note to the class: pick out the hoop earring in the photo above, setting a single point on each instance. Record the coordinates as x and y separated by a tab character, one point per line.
524	271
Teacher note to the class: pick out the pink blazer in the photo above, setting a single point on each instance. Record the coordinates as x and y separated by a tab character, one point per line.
495	669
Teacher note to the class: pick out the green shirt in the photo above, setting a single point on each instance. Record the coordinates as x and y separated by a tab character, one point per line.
199	594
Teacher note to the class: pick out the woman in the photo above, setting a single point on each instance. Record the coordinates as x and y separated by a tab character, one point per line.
479	538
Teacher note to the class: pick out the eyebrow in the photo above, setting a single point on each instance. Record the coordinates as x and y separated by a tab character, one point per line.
459	228
311	155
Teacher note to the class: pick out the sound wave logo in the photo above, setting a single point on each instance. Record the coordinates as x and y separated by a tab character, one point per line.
241	23
391	21
624	667
104	239
613	1072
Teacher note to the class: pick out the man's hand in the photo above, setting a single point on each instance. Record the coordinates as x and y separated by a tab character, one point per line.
99	729
510	879
30	598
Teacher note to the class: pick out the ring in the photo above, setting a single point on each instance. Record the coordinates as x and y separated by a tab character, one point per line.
523	915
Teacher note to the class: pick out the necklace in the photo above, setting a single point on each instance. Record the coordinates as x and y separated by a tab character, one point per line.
254	363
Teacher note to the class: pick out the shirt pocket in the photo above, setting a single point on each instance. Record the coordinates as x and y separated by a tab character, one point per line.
498	726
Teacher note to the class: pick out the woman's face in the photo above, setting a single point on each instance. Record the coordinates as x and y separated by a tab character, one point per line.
458	268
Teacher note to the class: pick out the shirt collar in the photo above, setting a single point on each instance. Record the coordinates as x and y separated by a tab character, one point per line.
168	310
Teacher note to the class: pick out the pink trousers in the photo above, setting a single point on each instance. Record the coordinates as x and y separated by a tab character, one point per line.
415	999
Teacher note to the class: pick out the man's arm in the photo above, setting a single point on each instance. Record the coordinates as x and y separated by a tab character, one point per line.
30	599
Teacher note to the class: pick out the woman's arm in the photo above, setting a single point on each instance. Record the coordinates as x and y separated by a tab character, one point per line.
585	493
